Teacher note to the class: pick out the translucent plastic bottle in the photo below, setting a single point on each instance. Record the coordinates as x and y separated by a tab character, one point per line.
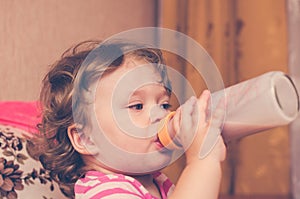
260	103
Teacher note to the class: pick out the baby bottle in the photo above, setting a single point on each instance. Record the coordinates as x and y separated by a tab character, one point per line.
267	101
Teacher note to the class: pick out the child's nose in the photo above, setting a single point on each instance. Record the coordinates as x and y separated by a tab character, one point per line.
157	113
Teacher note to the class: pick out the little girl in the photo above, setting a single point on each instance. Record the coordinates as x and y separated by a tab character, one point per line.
101	108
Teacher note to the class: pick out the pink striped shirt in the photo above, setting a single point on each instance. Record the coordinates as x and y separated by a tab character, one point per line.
97	185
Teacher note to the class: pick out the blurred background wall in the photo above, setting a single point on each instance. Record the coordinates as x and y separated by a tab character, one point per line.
34	33
245	38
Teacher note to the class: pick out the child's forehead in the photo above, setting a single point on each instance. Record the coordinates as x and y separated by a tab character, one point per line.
134	68
131	61
131	75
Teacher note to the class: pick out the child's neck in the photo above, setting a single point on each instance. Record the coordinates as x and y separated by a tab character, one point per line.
145	180
148	182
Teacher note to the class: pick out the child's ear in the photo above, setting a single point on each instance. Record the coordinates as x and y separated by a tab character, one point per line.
81	143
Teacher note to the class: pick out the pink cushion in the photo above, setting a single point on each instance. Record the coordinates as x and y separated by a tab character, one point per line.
19	114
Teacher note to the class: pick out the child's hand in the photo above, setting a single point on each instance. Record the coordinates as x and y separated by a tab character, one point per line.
201	177
191	127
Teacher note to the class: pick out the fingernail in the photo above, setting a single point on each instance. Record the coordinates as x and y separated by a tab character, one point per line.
193	99
206	91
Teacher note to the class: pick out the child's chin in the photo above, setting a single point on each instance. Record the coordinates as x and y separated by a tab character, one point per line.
150	166
133	163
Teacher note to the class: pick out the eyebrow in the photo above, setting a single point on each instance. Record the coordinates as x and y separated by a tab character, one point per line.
141	92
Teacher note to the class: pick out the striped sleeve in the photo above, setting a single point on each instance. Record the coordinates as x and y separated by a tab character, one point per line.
96	185
165	185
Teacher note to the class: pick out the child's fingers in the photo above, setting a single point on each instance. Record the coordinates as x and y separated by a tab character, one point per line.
203	101
209	142
183	123
186	113
199	126
218	114
214	131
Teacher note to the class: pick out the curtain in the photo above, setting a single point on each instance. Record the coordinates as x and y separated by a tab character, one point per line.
245	39
293	10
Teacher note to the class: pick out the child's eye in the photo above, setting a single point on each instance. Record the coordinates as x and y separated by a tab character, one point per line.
136	106
166	106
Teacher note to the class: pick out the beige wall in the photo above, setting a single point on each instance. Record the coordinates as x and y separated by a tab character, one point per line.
34	33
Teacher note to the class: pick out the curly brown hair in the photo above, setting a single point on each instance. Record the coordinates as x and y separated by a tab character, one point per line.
59	95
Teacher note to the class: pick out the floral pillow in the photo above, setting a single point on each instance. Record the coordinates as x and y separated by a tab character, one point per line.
21	176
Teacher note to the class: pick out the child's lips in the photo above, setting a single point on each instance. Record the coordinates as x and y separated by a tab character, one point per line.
160	146
157	141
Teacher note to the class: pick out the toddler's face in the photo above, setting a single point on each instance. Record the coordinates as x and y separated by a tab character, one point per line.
130	102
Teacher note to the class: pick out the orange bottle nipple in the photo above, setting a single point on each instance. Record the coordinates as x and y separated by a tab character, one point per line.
163	133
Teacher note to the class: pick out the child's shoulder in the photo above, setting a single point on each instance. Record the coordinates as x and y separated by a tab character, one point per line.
91	176
96	183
